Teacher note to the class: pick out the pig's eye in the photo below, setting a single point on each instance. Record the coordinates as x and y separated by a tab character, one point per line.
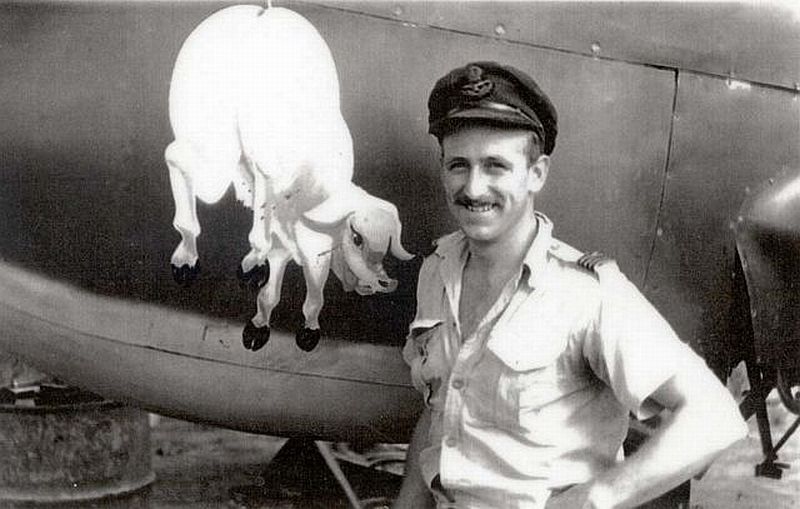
358	240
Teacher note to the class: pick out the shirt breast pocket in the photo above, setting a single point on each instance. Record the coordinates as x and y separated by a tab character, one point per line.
528	346
532	375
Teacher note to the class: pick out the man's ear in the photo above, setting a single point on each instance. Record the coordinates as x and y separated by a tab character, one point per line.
538	173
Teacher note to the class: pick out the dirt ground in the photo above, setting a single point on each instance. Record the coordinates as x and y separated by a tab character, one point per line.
212	468
204	467
730	482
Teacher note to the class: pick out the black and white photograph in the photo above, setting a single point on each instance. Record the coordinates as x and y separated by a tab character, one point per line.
377	254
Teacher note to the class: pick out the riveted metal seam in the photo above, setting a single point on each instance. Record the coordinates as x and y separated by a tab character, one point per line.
543	47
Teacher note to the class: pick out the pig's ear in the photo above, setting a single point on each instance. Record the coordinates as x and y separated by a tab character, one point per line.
335	209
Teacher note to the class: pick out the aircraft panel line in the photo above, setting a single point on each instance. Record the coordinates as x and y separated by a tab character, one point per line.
197	357
665	176
555	49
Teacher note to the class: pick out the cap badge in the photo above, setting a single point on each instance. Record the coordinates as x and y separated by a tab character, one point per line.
477	88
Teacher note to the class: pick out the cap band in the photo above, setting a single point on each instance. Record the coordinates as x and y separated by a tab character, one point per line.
496	106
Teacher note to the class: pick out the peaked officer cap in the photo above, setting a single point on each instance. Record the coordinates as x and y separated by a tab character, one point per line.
494	93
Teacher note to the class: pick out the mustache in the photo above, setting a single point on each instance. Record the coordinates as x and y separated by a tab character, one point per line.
460	199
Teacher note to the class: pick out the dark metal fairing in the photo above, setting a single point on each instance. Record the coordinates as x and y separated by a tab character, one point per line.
728	136
768	240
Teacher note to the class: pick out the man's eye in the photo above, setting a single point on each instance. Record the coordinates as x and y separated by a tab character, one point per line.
456	167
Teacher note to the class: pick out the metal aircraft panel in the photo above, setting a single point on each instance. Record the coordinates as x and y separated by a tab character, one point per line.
86	125
729	137
192	367
85	195
592	166
750	41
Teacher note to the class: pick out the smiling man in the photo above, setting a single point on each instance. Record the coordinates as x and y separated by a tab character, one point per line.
530	355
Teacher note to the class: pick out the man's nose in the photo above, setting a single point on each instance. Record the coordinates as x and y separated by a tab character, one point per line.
476	184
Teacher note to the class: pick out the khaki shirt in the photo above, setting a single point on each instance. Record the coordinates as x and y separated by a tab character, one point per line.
538	398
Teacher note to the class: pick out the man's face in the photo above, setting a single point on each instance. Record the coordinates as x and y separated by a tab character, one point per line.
490	181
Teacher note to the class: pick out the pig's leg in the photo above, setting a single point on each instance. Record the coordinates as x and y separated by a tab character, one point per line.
256	331
316	274
182	161
255	267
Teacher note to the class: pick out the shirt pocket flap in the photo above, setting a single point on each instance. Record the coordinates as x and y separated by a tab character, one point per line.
420	333
525	345
422	325
423	353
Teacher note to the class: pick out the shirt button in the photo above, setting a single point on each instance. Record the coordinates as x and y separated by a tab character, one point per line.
450	442
458	383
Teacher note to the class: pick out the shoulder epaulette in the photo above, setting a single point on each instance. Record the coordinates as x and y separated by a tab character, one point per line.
588	261
594	260
564	251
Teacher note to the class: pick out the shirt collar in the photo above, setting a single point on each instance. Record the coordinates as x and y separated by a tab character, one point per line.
536	258
452	249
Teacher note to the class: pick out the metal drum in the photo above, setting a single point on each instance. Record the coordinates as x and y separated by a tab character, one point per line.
75	448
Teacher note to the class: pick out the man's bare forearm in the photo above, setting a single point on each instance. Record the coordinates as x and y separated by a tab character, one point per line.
415	493
704	421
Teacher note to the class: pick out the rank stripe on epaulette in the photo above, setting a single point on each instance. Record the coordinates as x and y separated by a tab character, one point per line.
591	261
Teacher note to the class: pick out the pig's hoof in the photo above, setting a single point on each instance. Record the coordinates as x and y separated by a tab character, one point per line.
254	338
254	278
307	339
185	274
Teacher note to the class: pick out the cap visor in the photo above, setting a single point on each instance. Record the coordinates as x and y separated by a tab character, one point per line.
495	117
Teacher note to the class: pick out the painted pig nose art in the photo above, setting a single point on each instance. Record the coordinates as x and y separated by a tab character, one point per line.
254	103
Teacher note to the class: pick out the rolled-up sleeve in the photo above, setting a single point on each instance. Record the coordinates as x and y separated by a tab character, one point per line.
629	345
421	331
